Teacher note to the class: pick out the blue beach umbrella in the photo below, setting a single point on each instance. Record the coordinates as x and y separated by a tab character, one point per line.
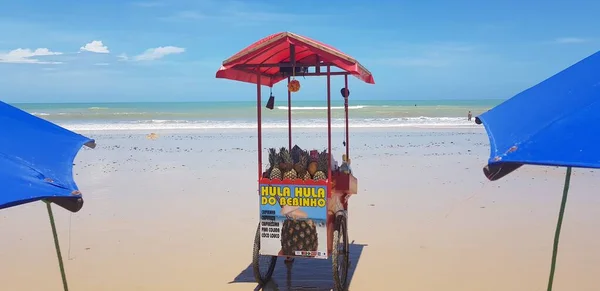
554	123
36	163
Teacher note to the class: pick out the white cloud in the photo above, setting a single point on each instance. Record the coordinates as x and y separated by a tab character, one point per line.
157	53
569	40
123	57
26	56
101	64
96	46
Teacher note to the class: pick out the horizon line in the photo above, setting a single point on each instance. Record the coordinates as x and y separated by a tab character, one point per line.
248	101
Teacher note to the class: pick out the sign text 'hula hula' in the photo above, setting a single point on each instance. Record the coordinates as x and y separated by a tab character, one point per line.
293	195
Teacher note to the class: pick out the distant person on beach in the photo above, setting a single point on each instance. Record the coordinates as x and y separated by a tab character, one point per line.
469	116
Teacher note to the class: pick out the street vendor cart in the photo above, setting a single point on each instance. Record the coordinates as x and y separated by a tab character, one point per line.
303	193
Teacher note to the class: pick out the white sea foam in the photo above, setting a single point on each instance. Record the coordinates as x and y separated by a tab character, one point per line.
320	107
87	114
148	125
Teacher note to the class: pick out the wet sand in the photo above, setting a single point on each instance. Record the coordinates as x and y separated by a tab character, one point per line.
164	215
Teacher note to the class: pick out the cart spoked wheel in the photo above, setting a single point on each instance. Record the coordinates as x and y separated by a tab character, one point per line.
263	265
340	254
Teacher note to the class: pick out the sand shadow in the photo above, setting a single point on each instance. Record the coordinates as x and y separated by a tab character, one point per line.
303	274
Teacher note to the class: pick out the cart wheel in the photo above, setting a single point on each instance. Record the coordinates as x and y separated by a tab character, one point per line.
339	254
263	265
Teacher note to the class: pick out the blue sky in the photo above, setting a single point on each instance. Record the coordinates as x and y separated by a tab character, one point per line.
92	51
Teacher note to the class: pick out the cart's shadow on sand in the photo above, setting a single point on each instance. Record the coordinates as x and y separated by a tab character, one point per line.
302	274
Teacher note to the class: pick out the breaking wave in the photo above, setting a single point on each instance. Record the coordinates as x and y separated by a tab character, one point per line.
321	107
159	124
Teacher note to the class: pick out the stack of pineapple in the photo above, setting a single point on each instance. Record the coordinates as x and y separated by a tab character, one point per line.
296	164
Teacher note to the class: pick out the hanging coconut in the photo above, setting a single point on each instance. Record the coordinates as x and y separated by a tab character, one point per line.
294	86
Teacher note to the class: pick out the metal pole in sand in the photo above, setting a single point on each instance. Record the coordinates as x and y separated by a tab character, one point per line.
561	214
57	246
259	123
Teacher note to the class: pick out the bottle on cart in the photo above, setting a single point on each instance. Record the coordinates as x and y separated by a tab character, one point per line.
349	166
345	167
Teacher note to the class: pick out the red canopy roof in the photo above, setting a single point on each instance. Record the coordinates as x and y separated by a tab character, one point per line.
275	49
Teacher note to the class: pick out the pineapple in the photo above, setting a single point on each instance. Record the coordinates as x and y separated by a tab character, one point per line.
287	164
306	176
322	165
304	159
291	174
285	160
275	174
296	153
298	235
272	161
274	171
319	175
302	164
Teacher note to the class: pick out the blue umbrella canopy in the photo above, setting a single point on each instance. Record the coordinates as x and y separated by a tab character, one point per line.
554	123
36	160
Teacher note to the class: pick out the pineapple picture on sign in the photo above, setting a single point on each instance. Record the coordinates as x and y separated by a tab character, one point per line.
293	220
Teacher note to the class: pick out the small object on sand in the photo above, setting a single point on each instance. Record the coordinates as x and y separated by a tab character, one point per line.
152	136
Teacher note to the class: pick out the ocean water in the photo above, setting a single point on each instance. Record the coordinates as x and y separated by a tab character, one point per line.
241	115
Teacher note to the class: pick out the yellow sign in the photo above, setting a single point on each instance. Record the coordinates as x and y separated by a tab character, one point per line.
293	195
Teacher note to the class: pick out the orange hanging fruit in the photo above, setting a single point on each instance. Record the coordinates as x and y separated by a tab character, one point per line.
294	86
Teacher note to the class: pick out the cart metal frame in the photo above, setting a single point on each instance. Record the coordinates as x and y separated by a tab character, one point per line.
267	62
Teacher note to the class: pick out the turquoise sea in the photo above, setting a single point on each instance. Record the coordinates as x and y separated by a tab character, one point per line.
224	115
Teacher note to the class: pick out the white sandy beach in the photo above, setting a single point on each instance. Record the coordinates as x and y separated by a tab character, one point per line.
180	212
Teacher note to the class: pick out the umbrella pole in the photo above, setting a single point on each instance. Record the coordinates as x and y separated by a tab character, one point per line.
57	245
558	226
